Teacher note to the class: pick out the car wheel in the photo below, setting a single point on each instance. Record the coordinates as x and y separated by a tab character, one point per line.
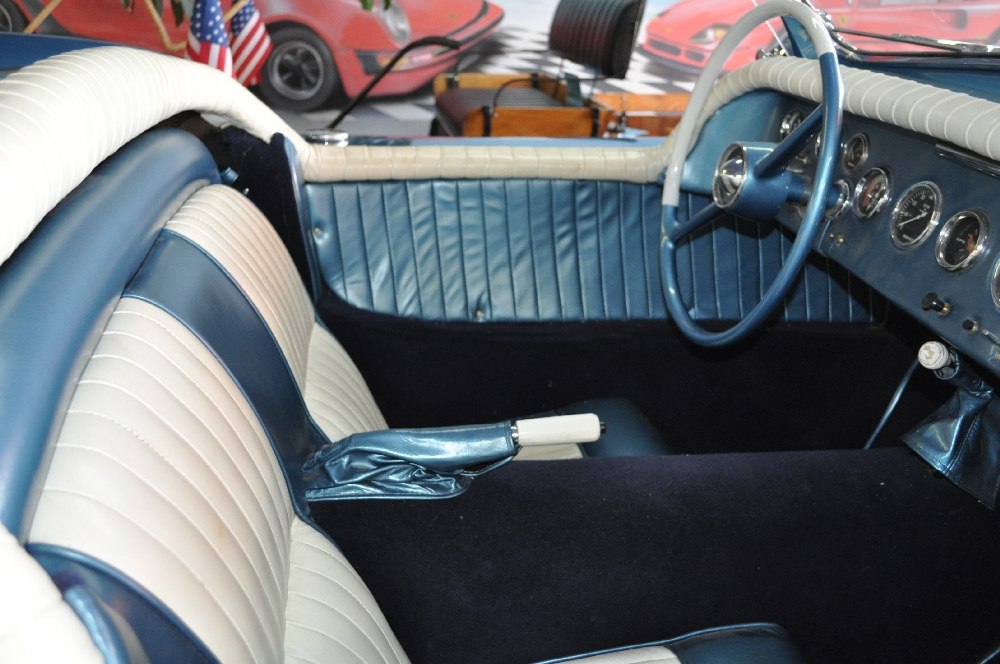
11	19
299	74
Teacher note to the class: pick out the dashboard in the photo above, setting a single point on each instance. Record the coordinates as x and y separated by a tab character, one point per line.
919	220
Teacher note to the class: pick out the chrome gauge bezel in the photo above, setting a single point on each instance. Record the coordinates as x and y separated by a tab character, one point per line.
935	218
882	200
789	123
858	139
945	236
792	119
995	285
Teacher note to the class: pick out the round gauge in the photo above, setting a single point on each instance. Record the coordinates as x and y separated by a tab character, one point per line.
871	193
995	285
916	215
855	153
791	120
962	240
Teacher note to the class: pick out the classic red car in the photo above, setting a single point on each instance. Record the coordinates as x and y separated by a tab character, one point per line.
686	33
320	46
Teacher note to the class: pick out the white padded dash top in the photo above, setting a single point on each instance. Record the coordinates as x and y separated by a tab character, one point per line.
162	471
958	118
232	230
32	611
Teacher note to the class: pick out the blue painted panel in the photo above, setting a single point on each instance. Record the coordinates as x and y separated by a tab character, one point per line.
17	50
548	250
54	298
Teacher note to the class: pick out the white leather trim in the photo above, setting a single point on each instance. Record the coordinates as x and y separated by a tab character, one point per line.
954	117
615	162
35	624
60	117
335	392
162	471
232	230
332	616
647	655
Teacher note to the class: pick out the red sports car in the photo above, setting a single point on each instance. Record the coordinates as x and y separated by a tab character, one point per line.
320	46
686	33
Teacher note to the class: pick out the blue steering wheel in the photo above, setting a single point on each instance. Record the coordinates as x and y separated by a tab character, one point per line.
752	179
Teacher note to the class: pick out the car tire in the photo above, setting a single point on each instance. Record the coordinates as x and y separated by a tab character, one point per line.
299	75
11	19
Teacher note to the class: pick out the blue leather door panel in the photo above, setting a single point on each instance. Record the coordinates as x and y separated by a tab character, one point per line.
548	250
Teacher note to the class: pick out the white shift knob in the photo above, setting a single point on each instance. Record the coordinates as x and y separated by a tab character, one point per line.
934	355
585	428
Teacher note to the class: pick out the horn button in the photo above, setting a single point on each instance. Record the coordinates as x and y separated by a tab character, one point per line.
730	175
737	188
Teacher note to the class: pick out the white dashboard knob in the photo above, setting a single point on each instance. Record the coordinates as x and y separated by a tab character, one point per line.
934	355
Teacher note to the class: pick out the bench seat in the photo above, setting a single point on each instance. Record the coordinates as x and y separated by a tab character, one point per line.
165	378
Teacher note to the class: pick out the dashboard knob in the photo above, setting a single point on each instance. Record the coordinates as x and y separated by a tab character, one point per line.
934	355
933	302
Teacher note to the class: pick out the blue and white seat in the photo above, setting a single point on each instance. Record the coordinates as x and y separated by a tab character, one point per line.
163	369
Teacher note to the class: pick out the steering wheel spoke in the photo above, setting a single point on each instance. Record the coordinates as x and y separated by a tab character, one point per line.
790	146
678	230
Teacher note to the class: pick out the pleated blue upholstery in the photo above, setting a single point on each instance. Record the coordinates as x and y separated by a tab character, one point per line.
550	250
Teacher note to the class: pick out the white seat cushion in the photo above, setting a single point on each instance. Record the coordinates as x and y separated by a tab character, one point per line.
163	472
232	230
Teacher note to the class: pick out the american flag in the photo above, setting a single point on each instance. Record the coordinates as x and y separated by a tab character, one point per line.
208	41
251	45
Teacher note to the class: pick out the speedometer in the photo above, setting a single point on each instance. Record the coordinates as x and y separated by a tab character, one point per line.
916	215
962	240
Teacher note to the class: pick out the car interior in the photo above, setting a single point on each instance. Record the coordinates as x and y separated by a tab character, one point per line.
724	397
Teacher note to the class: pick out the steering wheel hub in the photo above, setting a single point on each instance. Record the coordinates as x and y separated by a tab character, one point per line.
730	176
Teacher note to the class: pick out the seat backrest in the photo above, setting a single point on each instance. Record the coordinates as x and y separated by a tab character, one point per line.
158	490
597	33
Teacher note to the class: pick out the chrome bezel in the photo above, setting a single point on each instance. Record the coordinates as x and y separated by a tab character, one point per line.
883	199
931	225
724	199
843	201
863	138
787	127
945	236
994	283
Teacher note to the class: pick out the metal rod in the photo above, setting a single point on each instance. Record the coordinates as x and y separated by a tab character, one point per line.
449	44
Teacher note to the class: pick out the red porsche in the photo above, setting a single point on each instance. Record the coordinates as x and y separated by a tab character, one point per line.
686	33
320	46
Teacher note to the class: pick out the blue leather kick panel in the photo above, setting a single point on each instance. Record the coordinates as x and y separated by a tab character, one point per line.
549	250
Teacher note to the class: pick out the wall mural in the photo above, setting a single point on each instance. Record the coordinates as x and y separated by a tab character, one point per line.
310	58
